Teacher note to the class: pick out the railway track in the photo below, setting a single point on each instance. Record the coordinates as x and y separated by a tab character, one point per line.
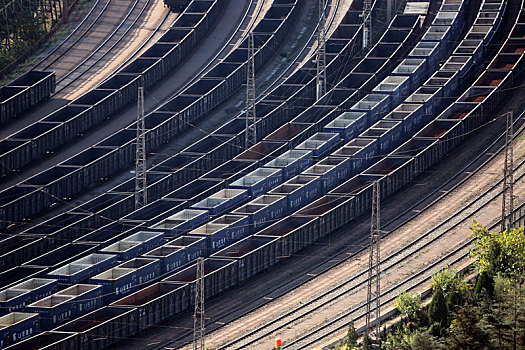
458	254
405	258
72	77
284	71
121	123
226	46
470	213
77	34
75	65
288	69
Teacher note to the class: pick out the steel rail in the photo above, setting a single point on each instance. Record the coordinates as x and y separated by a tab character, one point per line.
99	48
294	344
260	95
216	323
71	34
338	2
393	255
464	245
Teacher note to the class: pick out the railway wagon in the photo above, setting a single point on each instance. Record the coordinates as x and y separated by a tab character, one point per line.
53	310
83	268
253	254
194	247
221	201
100	328
292	162
116	160
22	294
87	297
156	303
219	276
47	341
298	191
294	233
263	210
258	181
332	212
171	257
17	326
113	94
181	222
25	92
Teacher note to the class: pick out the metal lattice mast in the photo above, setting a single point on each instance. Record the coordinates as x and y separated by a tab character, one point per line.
321	51
198	324
388	11
140	162
507	207
367	24
374	265
251	133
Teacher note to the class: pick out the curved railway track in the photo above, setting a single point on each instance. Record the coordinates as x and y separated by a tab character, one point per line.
71	62
297	58
231	42
225	47
101	51
458	254
483	200
77	34
120	125
446	187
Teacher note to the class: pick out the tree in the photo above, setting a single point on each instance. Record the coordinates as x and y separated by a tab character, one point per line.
349	342
437	310
499	252
408	305
425	341
469	330
484	282
351	336
448	280
399	338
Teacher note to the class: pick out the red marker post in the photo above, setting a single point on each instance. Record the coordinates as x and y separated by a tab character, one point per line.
278	343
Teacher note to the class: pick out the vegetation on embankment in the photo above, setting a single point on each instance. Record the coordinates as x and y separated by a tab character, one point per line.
488	314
